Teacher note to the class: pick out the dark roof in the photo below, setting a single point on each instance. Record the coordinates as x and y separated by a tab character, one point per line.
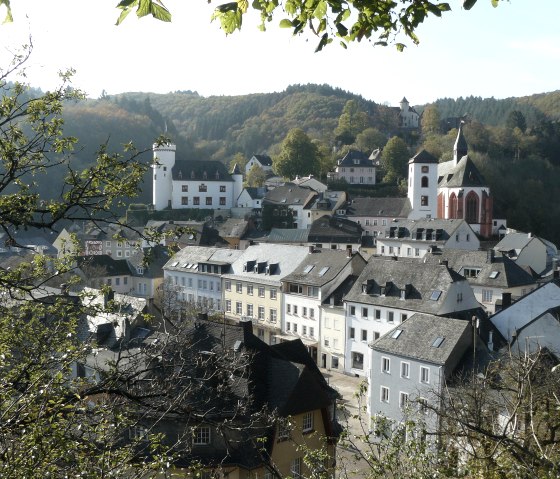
264	160
104	265
287	235
384	280
423	157
151	260
418	336
355	158
464	173
382	207
256	193
431	230
200	170
334	229
289	194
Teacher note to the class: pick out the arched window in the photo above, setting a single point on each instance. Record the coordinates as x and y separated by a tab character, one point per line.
452	213
472	208
424	182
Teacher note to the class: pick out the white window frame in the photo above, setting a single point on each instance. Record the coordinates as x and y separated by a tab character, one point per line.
384	394
202	436
307	422
424	375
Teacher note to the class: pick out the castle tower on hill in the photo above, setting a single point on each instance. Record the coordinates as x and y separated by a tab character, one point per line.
164	160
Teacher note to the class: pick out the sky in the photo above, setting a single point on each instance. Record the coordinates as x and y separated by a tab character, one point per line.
509	51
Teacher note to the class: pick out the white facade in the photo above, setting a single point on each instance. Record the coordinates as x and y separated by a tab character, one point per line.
164	160
422	186
333	337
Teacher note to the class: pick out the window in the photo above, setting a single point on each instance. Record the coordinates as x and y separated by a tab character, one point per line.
201	436
296	288
202	188
352	310
184	200
196	200
424	375
222	200
377	314
295	468
238	287
208	200
238	307
272	315
386	365
424	182
261	291
416	251
250	289
250	310
289	308
184	188
288	326
357	360
334	362
295	309
486	295
405	370
403	400
364	334
375	335
307	422
228	305
295	327
390	316
273	293
311	313
261	313
423	405
312	332
304	311
384	394
222	188
364	312
404	317
117	281
304	330
424	200
283	429
352	333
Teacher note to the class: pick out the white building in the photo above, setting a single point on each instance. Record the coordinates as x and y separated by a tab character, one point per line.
200	184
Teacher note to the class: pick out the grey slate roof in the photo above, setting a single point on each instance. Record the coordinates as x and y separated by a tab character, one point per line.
105	264
496	270
320	267
156	258
515	241
383	279
286	235
423	157
289	194
192	255
334	229
355	158
436	231
418	335
256	193
200	170
380	207
464	173
264	160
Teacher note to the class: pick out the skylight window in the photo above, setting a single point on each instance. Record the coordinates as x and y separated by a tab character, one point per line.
437	342
175	263
494	274
323	271
396	333
308	268
435	295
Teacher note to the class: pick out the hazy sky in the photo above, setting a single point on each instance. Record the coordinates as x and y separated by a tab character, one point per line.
513	50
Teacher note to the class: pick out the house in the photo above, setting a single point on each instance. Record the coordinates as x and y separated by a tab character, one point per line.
410	366
388	292
374	214
335	232
490	275
326	203
251	197
194	274
246	411
99	270
310	182
262	161
252	289
192	183
284	206
355	168
415	238
408	116
528	250
320	273
532	322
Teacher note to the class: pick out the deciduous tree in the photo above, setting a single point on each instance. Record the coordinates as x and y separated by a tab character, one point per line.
298	156
395	158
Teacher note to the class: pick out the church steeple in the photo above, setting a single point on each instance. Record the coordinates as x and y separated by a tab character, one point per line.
460	148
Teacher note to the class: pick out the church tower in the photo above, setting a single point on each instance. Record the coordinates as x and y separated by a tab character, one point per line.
164	160
422	185
460	148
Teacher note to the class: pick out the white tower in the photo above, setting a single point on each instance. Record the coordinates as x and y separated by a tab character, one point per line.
237	178
164	160
422	185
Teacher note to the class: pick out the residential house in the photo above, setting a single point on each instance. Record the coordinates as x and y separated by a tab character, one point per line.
388	292
320	273
99	270
374	214
326	203
310	182
410	366
146	266
355	168
252	289
532	322
335	232
528	250
252	197
192	183
262	161
490	275
195	274
414	238
284	206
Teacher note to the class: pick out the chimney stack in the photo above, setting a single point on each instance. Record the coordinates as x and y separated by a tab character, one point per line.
349	251
506	300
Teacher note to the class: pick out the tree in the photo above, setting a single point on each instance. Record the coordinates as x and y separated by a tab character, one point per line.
431	121
516	119
346	20
298	156
238	159
256	176
394	159
351	122
370	139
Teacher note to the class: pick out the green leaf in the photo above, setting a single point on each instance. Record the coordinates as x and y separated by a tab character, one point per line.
144	8
323	42
320	10
123	15
159	12
285	23
495	3
468	4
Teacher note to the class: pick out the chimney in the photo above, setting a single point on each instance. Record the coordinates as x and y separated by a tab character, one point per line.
311	249
490	342
247	326
556	274
490	256
349	251
444	262
506	300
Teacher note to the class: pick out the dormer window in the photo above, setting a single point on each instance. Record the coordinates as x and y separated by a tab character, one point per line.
217	175
202	188
204	175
